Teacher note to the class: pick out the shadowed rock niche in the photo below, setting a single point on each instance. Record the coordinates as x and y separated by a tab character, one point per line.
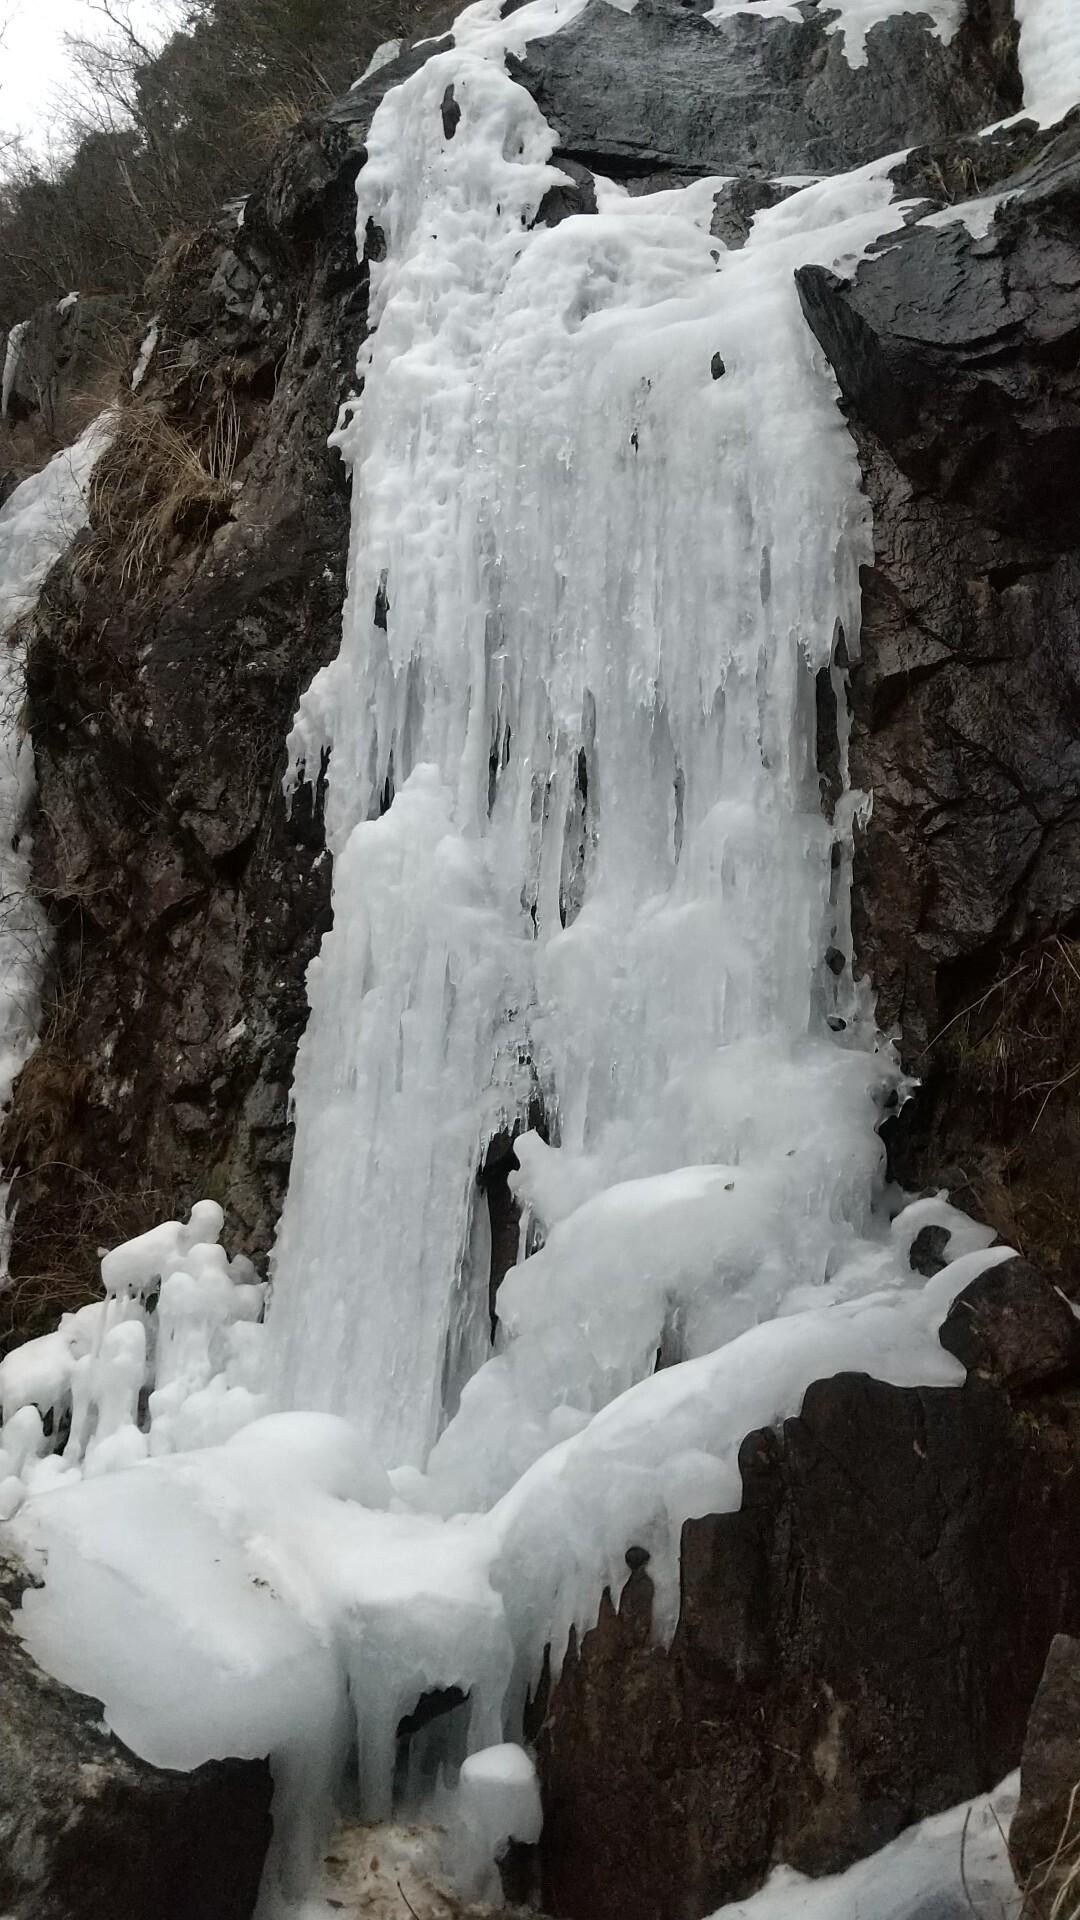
494	1247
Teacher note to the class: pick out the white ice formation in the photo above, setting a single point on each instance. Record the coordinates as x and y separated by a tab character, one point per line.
1049	57
607	529
12	357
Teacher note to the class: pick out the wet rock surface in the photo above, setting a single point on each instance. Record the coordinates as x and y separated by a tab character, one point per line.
858	1647
1045	1827
956	355
88	1832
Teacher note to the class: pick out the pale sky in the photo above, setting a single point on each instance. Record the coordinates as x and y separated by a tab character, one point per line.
32	62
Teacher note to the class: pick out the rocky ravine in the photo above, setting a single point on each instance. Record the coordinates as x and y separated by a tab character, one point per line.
807	1709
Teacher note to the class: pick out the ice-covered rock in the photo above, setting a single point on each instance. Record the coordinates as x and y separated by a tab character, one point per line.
88	1830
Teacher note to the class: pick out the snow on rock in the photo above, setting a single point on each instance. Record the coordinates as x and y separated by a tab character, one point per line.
852	19
386	51
1049	57
192	1351
501	1797
949	1867
40	519
146	354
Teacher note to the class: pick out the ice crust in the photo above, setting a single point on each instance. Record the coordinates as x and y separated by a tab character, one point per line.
607	528
947	1868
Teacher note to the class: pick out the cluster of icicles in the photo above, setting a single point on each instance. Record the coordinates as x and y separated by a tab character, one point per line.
607	529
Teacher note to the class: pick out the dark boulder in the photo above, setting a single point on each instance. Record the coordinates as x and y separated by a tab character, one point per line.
1011	1323
857	1647
89	1832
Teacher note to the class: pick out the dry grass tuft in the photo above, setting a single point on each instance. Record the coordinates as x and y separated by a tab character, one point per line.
64	1274
273	120
1020	1040
1010	1063
157	487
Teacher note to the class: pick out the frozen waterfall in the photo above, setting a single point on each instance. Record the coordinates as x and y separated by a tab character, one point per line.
606	529
586	1181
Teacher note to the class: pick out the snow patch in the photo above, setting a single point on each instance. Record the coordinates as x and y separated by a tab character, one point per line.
949	1867
146	354
384	53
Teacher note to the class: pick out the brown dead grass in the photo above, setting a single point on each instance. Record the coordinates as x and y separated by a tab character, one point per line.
157	487
1011	1060
1021	1038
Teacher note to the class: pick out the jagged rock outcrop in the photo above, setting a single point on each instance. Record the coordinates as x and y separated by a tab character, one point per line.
88	1832
956	354
857	1647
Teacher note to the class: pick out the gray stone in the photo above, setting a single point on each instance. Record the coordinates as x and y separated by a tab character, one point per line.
660	89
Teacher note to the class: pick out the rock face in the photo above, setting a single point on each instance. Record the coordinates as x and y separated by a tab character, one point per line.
1043	1836
661	90
857	1647
956	354
165	663
68	350
87	1832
